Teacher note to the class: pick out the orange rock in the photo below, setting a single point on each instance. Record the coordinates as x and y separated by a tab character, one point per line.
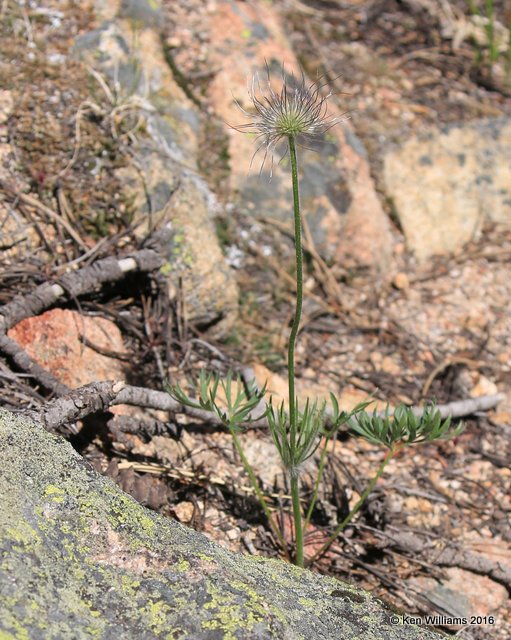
53	341
401	281
344	213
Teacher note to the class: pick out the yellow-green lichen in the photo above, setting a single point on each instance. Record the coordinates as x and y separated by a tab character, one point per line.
8	619
24	534
228	616
146	524
166	269
96	626
93	632
129	586
156	612
88	508
182	566
125	511
56	494
308	603
257	602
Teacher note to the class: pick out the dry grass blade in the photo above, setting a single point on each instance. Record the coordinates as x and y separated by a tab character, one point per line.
46	211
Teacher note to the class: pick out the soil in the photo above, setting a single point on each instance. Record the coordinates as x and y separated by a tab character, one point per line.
439	331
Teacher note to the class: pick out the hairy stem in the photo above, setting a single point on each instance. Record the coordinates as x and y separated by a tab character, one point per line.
293	408
299	294
388	457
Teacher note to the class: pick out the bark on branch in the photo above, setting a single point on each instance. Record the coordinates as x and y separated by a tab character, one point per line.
102	395
72	285
451	556
75	284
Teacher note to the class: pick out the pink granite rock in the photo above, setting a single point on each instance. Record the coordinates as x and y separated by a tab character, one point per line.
338	195
53	341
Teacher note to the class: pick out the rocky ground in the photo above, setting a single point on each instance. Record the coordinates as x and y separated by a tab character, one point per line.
401	315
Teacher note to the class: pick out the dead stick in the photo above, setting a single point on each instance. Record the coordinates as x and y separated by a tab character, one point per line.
83	281
56	412
73	284
451	556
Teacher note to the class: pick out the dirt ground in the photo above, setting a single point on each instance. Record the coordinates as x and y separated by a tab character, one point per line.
442	330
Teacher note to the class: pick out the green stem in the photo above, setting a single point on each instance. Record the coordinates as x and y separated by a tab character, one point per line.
299	294
317	483
258	491
388	457
490	33
297	513
293	408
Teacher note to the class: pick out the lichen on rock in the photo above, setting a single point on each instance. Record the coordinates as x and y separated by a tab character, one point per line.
81	559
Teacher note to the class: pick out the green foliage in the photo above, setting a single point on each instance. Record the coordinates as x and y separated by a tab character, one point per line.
403	427
240	403
295	451
485	11
342	417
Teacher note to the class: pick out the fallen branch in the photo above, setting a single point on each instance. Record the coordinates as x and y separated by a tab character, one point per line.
24	362
451	556
77	404
467	407
78	283
96	396
477	563
145	426
72	285
73	406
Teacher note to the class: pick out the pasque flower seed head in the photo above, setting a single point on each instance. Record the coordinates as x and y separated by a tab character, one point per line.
298	110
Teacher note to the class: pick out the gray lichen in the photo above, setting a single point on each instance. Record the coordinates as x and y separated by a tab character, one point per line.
81	559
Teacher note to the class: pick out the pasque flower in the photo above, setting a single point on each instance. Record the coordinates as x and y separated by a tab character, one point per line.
298	110
295	114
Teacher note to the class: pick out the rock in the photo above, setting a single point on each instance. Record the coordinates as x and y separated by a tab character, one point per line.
6	108
80	559
184	511
264	459
14	231
277	386
337	192
53	341
163	181
208	283
462	594
401	281
482	386
446	182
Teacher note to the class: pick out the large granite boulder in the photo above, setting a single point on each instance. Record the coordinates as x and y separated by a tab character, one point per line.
447	182
163	182
338	197
80	559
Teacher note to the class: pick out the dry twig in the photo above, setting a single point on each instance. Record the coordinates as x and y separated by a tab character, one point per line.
453	556
60	411
73	285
